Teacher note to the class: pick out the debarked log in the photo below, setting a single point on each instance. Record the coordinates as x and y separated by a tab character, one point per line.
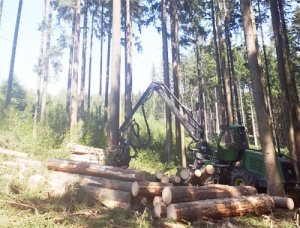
92	169
221	208
176	194
148	189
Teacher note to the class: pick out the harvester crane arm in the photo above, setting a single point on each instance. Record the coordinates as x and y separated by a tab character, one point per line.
194	129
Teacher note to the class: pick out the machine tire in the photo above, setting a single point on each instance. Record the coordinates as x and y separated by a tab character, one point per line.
241	177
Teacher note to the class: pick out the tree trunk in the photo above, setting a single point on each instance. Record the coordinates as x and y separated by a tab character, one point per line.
101	60
128	64
107	72
70	71
221	208
226	70
83	61
85	168
115	76
166	79
273	179
74	93
13	55
46	63
178	194
90	62
223	69
289	103
217	58
40	73
180	147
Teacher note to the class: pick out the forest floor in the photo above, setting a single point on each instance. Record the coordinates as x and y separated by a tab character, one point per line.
22	207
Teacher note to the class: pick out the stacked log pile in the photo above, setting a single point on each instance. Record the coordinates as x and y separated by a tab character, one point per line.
185	197
108	185
86	153
187	201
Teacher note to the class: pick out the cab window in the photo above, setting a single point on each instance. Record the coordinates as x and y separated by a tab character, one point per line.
228	140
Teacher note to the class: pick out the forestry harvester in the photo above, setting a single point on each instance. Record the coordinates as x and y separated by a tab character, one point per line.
235	164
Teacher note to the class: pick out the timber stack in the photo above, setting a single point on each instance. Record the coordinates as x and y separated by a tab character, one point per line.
86	153
186	197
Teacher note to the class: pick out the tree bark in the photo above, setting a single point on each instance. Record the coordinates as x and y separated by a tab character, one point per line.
148	189
115	76
46	72
90	64
177	194
13	55
83	61
289	103
274	184
217	58
166	79
40	73
74	83
70	71
96	170
221	208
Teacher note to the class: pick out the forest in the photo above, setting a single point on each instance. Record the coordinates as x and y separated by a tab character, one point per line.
230	62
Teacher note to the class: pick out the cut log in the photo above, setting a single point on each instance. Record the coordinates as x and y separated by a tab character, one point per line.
199	176
159	175
176	194
221	208
175	180
283	202
165	180
81	149
157	199
85	168
13	153
58	178
184	174
104	195
160	210
148	189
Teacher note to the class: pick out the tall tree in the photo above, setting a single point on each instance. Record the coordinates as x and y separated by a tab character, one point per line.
274	184
46	72
74	87
115	76
83	60
288	98
39	70
218	66
128	60
70	70
166	77
91	57
180	147
13	55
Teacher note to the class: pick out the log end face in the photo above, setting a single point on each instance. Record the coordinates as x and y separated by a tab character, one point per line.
167	195
290	203
171	212
209	169
135	189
